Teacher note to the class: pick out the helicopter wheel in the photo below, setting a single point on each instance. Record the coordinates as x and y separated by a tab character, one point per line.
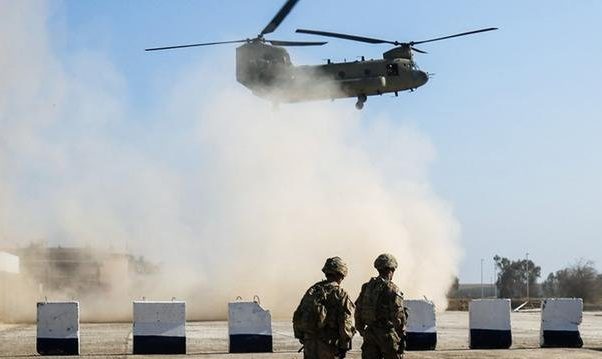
361	99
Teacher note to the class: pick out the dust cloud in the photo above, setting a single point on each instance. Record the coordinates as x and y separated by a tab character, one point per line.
229	196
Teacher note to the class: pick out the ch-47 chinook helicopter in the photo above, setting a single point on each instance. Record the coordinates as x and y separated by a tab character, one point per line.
265	67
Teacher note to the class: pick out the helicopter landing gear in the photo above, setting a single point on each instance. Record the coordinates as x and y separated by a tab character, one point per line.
361	99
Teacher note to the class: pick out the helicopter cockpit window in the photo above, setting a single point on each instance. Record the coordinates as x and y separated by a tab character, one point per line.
392	70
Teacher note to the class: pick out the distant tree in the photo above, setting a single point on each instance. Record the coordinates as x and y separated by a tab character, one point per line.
549	287
581	280
512	277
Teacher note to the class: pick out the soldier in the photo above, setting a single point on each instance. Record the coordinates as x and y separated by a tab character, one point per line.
380	315
323	320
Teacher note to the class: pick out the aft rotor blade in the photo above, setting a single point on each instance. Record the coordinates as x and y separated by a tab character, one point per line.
452	36
346	36
286	8
296	43
194	45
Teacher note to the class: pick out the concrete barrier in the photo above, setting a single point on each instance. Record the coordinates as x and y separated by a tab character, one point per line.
421	328
159	327
560	320
249	328
490	324
58	328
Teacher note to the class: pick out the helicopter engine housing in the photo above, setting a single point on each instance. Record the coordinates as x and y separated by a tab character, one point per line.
400	52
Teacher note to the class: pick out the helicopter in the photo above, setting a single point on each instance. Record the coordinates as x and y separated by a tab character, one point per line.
264	66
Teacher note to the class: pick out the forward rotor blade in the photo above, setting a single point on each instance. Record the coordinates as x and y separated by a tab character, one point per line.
418	50
347	37
286	8
296	43
194	45
452	36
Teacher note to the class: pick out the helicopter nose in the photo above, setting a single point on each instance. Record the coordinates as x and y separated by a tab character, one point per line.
421	77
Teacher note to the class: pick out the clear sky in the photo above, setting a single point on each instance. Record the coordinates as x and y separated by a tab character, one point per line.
515	115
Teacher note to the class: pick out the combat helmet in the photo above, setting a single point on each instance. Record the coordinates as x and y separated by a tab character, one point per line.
335	265
385	261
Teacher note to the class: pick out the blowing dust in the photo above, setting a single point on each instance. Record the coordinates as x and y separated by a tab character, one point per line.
228	196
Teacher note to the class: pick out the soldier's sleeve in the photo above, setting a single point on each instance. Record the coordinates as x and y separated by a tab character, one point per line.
345	321
398	315
359	323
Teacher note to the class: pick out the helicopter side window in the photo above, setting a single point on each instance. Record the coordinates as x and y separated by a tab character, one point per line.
392	70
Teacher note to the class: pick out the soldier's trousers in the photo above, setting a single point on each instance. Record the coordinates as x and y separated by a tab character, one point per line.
318	349
381	343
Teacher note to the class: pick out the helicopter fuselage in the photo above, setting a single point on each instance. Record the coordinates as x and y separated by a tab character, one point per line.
269	73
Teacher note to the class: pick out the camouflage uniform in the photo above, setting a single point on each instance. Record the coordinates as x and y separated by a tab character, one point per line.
334	338
384	337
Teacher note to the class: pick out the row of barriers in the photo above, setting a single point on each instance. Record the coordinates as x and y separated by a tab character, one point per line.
490	325
159	327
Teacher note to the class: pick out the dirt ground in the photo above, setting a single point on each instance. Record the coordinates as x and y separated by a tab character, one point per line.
210	340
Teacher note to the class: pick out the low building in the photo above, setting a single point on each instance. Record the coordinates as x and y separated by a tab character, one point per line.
35	272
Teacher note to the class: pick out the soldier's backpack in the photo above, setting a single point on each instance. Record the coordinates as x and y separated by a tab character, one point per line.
310	315
370	299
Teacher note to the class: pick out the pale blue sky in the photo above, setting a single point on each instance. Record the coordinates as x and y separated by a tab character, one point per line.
515	115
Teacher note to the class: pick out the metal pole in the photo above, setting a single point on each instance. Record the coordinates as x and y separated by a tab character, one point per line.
494	279
3	310
482	278
528	276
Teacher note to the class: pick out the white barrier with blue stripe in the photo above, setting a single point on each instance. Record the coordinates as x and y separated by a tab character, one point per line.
489	322
560	320
421	327
159	327
249	328
57	328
